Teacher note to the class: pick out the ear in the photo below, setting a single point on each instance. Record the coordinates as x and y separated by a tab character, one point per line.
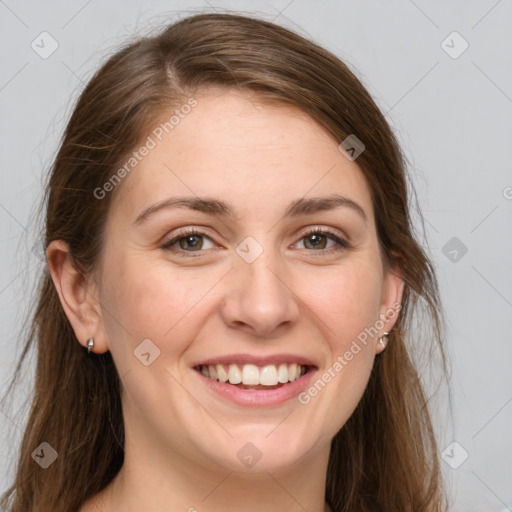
78	296
391	302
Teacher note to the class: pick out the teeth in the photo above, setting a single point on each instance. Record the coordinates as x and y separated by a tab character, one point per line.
282	375
235	376
212	372
252	375
268	376
222	375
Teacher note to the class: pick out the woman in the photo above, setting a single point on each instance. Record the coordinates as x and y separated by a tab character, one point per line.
226	316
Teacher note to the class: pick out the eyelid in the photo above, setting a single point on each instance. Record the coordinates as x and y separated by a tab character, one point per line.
331	233
182	233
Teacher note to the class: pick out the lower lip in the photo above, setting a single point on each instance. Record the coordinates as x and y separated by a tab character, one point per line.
262	397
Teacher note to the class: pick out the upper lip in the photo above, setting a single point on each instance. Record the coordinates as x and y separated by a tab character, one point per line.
256	360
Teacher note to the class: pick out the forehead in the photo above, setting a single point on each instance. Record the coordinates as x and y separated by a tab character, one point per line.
256	156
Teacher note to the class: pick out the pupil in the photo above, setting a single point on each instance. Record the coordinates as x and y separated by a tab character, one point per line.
194	241
316	240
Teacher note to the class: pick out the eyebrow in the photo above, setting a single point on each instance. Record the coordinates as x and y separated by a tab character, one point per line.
216	207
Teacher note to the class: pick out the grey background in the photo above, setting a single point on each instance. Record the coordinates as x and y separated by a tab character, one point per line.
453	117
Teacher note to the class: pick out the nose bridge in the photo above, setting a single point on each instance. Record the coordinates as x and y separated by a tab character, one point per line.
258	296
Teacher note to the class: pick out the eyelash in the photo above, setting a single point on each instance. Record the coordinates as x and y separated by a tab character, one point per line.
342	244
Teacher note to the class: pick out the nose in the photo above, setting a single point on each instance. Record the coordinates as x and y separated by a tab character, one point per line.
259	297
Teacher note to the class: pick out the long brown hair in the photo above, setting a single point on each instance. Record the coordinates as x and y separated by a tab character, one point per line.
385	457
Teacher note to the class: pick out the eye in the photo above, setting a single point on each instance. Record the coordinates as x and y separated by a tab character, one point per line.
190	240
318	240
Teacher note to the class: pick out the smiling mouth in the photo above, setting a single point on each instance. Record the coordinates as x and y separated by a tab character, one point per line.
252	377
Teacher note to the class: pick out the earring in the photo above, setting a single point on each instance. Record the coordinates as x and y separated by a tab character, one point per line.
90	344
381	339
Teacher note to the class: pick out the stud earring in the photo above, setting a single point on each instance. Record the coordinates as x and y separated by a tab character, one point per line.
90	344
381	339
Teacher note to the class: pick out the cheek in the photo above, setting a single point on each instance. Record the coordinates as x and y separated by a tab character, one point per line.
153	302
348	307
346	302
150	302
346	299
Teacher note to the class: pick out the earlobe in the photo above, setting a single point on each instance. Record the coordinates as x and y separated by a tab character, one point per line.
77	296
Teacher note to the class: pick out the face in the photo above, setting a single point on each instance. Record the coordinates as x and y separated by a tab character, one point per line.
270	259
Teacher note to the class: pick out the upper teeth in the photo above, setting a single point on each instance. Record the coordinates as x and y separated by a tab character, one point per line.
252	375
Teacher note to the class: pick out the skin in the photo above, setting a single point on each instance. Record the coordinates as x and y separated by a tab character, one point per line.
181	438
